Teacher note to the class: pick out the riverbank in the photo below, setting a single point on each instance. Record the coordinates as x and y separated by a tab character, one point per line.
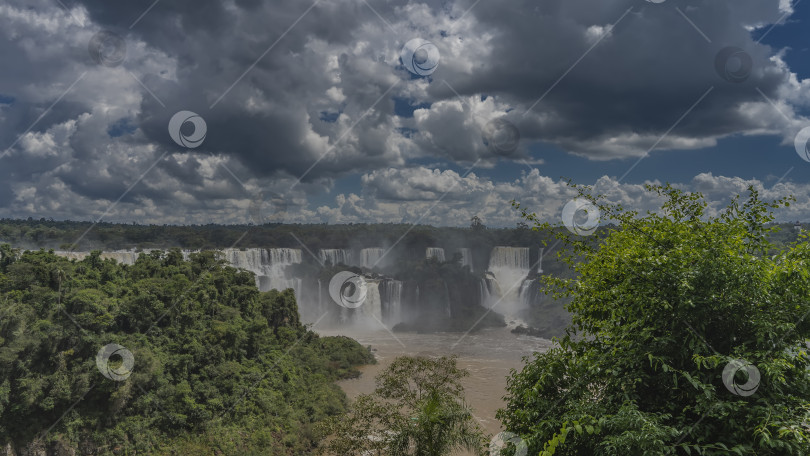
489	355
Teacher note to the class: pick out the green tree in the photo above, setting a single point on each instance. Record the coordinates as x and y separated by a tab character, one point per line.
417	409
219	367
687	338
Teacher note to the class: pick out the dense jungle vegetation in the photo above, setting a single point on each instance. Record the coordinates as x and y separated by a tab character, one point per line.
219	367
689	337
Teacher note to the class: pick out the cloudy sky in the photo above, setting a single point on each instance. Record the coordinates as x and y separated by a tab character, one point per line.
319	105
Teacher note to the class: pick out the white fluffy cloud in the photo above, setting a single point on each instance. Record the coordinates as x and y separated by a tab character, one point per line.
432	196
323	99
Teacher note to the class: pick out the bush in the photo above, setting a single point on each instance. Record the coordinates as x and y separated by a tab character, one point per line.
676	315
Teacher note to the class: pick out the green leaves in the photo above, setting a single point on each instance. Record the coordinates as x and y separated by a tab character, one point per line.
217	364
661	305
417	409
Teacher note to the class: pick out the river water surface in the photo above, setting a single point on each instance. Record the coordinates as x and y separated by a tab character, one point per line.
488	355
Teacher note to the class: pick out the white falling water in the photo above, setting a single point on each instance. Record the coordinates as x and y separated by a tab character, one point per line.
435	252
540	261
335	256
372	306
78	256
276	262
369	314
525	295
489	290
121	256
531	292
509	267
466	257
370	257
509	257
247	259
447	309
268	265
391	300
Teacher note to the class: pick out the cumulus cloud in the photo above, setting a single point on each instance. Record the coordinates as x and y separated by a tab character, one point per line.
299	95
432	196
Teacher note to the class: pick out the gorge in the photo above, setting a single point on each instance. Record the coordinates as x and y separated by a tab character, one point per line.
400	291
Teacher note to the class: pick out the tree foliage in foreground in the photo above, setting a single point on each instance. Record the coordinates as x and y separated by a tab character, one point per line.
661	306
417	409
219	367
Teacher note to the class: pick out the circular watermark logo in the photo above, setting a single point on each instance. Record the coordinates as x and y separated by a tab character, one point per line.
501	136
107	48
188	129
115	370
741	377
574	212
801	143
420	57
348	289
733	64
502	440
267	207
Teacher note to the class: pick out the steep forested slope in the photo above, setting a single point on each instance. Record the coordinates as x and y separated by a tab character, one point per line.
217	367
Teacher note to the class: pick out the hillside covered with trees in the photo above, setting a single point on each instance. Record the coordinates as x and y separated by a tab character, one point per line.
204	362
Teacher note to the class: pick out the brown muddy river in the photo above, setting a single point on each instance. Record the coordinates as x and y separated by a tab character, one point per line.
488	355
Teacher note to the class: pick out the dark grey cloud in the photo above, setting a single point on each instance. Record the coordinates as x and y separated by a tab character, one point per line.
263	87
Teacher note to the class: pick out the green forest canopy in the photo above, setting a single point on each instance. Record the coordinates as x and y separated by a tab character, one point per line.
219	367
689	336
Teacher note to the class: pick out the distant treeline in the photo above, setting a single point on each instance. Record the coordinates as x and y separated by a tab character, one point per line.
113	236
85	236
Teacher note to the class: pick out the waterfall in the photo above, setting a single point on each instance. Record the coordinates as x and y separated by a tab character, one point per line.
370	257
509	257
336	256
489	290
124	257
121	256
275	262
436	253
320	297
525	292
78	256
269	266
447	308
531	293
509	267
540	261
391	301
466	257
372	307
248	259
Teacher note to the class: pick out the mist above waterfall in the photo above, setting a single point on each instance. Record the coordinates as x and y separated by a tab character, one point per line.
509	268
